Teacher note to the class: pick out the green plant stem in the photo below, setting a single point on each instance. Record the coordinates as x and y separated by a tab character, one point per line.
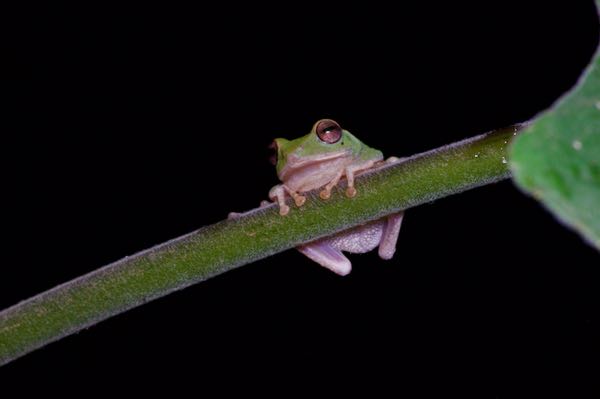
257	234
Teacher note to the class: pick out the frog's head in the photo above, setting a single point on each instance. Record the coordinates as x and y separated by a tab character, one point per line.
327	140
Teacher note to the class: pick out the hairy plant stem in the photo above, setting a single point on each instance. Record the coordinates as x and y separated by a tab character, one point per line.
257	234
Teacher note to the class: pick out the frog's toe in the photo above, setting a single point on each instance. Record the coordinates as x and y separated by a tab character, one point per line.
284	210
350	192
299	200
325	194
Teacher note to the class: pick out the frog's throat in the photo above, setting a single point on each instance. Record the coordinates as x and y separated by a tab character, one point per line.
294	162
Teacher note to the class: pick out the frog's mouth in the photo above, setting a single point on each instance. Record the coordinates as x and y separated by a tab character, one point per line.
294	162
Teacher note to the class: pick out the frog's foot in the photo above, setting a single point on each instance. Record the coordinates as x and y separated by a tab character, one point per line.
327	256
393	160
277	194
387	245
386	162
299	199
351	171
326	192
233	215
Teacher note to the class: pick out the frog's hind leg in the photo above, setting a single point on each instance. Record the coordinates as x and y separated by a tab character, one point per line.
235	215
387	246
327	256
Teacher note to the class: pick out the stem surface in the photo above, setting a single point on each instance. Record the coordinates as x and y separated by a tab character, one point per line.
220	247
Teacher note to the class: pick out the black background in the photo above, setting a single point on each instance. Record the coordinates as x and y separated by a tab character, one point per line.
137	125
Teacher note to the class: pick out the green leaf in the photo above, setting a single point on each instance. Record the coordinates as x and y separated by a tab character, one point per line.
557	158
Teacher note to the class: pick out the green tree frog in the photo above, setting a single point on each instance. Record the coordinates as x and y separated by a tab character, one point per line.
318	161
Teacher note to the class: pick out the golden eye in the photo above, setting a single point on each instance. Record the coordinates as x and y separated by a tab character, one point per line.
329	131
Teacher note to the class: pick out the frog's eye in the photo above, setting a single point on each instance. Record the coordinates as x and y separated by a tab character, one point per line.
273	148
329	131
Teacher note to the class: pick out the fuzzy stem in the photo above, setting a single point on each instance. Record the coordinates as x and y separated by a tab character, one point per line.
257	234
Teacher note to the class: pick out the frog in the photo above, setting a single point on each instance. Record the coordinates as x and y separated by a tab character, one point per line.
318	161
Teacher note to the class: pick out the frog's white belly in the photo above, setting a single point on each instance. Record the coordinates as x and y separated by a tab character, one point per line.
358	240
316	174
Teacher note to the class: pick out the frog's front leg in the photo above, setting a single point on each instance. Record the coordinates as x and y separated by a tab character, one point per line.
326	192
351	170
277	193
